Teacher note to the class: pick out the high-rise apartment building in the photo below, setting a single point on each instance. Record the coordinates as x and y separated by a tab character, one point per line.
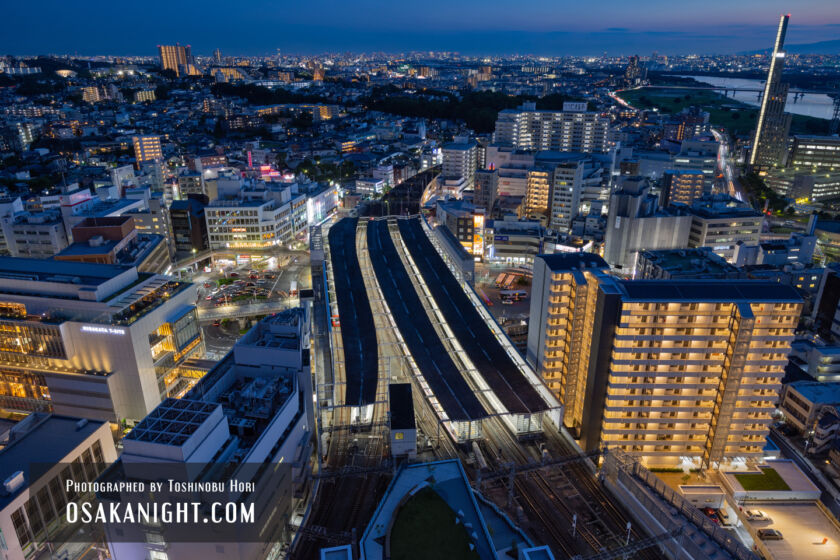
773	125
460	160
683	186
574	129
675	372
564	293
146	148
560	183
175	58
699	155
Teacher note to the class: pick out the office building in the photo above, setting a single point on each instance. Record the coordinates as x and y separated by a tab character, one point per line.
38	235
815	187
152	217
252	415
815	153
115	240
146	148
801	402
485	188
460	160
680	372
465	222
683	186
514	241
189	183
574	129
92	340
262	221
636	223
175	58
720	222
771	131
33	521
370	186
189	227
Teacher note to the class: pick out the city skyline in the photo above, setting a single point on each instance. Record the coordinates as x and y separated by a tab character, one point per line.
535	27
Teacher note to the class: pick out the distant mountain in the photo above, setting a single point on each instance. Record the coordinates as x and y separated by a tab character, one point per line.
820	47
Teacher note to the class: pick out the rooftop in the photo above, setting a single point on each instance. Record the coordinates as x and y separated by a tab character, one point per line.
818	392
682	262
568	261
708	290
401	406
44	270
47	442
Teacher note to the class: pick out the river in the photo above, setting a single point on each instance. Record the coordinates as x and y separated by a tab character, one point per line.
812	104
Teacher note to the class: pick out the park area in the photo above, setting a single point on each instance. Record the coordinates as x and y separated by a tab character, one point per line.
737	117
768	479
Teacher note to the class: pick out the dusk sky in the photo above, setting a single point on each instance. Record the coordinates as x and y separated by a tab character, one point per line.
549	27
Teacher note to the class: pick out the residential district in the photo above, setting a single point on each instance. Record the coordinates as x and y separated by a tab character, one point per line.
424	305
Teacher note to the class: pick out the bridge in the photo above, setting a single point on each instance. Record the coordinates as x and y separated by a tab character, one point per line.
239	310
798	92
195	258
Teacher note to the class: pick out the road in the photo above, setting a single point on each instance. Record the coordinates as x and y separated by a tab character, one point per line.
726	167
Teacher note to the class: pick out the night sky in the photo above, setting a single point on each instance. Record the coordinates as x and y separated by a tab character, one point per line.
549	27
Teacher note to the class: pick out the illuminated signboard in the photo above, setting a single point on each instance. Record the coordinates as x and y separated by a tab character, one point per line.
478	235
102	330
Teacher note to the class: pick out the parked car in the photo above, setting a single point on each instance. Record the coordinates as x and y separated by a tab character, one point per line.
769	535
710	513
756	515
725	517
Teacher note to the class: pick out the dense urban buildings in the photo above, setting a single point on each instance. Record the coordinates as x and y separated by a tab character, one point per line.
557	305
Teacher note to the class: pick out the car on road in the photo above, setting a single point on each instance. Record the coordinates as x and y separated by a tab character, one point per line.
217	323
769	535
756	515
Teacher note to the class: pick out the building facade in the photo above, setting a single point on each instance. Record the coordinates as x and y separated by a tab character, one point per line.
680	373
773	126
574	129
92	340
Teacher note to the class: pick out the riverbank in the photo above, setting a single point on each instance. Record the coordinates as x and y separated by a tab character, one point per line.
737	117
